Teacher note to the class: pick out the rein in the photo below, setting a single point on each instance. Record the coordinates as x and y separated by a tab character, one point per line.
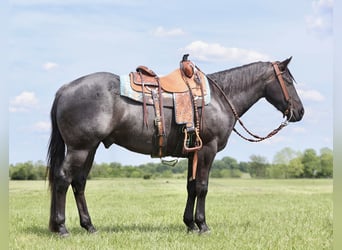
257	138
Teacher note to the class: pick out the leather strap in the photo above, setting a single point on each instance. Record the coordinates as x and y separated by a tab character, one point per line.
159	123
144	100
281	81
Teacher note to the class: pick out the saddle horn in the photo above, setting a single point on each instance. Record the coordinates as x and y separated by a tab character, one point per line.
186	66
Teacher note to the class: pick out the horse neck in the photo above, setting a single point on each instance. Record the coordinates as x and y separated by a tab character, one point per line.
243	86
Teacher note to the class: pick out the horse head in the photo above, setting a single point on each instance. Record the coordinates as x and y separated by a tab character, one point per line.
281	92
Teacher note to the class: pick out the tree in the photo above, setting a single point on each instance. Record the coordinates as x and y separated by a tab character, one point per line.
28	171
286	164
227	167
230	163
285	155
277	171
311	163
218	165
18	172
258	166
326	160
243	166
295	168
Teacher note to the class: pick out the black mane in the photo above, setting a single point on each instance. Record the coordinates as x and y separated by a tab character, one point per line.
239	78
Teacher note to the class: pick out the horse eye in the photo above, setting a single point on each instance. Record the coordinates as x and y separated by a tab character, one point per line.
287	78
289	81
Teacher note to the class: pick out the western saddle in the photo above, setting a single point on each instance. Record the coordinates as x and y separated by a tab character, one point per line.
187	85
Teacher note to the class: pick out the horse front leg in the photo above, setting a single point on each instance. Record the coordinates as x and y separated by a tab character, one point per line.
202	190
202	181
188	216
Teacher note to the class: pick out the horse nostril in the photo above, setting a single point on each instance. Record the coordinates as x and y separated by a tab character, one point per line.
301	112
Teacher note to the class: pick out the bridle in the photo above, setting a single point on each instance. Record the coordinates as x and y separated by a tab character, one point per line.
283	88
285	113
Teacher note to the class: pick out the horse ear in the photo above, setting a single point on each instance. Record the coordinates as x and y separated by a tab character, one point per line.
283	64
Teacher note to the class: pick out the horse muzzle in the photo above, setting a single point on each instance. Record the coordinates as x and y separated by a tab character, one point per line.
294	115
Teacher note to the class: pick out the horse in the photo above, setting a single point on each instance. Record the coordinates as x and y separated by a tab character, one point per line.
90	110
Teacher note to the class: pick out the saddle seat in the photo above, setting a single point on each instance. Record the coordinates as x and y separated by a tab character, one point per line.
174	82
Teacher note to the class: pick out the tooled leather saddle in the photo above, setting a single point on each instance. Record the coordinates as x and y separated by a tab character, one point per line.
186	85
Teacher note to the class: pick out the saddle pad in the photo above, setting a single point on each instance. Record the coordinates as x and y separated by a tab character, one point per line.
127	91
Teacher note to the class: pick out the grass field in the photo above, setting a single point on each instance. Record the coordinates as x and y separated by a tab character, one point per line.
147	214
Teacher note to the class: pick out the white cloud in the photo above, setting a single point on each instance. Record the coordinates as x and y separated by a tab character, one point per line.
320	21
311	95
210	52
42	126
23	102
50	65
323	5
162	32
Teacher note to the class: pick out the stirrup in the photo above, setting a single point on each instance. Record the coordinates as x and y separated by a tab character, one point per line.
187	138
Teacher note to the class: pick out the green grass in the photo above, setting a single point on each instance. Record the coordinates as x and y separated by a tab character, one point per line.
147	214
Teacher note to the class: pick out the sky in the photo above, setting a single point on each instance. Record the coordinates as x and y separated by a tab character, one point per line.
52	42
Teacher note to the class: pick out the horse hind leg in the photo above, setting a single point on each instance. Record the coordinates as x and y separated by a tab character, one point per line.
78	186
71	171
59	185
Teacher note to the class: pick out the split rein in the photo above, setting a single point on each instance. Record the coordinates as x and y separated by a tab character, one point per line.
257	138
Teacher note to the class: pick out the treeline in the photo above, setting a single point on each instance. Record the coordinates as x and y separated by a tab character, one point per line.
286	164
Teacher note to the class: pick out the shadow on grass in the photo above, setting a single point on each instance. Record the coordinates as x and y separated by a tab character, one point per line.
126	228
42	231
37	230
142	228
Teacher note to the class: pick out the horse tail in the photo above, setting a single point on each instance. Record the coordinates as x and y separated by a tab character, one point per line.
56	149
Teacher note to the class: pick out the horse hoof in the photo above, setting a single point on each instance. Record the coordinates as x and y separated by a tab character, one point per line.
92	230
192	230
64	234
204	231
60	230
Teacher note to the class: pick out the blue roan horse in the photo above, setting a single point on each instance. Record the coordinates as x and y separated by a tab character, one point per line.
90	110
